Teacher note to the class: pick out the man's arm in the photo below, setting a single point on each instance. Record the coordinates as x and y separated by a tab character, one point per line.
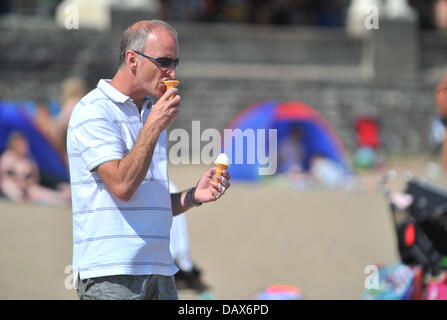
179	203
123	177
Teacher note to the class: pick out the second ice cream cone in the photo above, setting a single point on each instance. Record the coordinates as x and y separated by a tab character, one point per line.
222	162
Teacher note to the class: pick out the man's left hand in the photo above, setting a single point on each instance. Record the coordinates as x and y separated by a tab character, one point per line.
207	190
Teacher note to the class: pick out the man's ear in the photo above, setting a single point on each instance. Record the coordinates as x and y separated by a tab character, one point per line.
131	60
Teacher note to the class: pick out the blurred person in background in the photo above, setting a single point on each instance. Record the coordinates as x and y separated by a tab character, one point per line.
43	119
291	155
440	13
426	12
291	152
328	173
19	176
73	89
441	104
55	128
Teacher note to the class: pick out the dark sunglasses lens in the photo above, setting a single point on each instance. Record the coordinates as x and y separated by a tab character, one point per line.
167	62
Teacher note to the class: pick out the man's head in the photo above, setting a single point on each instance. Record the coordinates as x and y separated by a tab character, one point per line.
155	39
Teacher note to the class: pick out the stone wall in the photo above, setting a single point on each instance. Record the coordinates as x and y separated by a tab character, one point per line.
404	112
227	67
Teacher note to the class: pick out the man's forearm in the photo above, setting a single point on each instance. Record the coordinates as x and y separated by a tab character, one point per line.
135	165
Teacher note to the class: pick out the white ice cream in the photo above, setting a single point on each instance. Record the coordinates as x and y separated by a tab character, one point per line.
222	159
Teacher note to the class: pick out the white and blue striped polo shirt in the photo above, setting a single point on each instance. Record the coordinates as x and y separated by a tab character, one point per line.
113	237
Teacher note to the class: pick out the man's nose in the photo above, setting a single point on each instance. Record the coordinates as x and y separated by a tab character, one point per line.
171	73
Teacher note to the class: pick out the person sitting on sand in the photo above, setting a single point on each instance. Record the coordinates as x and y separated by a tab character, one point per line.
441	104
291	153
326	172
19	176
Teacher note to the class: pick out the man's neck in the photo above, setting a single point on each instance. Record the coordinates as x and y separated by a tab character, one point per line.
123	84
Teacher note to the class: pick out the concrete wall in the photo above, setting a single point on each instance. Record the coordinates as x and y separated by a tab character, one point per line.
404	111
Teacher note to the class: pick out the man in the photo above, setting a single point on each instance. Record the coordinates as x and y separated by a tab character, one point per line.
116	143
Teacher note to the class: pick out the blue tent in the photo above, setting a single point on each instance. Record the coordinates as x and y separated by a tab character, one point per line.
319	137
15	117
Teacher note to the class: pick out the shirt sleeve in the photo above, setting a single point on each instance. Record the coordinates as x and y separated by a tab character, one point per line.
96	139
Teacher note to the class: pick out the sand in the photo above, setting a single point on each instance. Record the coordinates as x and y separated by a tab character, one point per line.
253	237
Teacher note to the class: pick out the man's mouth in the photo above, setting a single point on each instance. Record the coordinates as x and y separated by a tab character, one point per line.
163	86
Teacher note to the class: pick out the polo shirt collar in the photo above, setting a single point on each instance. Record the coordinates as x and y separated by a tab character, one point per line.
116	96
112	93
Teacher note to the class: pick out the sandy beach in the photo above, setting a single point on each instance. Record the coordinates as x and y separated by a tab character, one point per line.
255	236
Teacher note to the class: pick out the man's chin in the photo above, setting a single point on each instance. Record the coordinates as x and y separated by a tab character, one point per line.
157	94
160	93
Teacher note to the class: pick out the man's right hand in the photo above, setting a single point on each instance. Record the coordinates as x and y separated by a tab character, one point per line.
165	111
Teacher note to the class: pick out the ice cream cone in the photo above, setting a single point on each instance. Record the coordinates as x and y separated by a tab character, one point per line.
222	163
171	84
220	167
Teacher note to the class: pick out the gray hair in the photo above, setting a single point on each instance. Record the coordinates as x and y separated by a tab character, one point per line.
135	36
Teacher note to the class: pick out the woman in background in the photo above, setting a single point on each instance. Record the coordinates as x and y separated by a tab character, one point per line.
19	176
441	103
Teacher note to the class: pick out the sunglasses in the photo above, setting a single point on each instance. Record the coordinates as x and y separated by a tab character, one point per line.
164	62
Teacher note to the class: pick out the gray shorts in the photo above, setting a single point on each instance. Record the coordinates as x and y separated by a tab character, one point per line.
128	287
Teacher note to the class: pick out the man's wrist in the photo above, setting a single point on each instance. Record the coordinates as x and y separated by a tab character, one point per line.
190	198
153	129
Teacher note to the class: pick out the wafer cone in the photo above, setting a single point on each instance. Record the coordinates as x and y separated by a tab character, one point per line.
171	84
220	167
